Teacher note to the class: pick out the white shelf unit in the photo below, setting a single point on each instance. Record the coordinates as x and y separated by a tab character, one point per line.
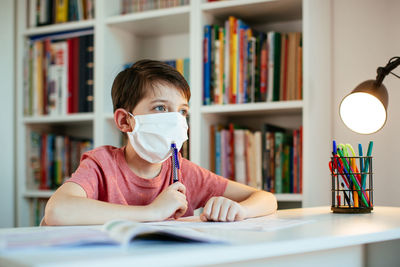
38	193
177	33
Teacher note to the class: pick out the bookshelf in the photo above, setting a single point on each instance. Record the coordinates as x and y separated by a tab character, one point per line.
177	32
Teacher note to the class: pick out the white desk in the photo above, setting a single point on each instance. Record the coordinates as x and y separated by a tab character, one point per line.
326	239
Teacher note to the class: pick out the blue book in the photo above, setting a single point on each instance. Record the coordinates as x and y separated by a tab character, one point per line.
207	65
186	70
50	161
217	151
172	63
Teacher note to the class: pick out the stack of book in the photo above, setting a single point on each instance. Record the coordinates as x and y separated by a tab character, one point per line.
59	73
270	159
135	6
53	158
181	64
37	210
242	65
45	12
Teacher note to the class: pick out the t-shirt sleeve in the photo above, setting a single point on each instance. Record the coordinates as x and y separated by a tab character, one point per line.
88	176
201	184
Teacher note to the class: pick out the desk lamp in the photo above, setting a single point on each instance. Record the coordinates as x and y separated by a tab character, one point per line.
364	109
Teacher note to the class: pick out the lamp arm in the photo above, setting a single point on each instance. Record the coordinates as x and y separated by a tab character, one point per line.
383	71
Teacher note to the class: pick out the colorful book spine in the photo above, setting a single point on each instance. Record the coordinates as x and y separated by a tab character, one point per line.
277	66
269	159
278	162
51	159
60	73
207	65
249	66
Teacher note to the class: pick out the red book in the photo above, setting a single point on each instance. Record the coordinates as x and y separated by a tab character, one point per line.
263	70
233	73
70	75
43	162
301	160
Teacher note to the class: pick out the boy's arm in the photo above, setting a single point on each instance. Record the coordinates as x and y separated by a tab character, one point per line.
239	202
70	206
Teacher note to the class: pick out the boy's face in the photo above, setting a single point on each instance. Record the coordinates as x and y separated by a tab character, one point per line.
164	98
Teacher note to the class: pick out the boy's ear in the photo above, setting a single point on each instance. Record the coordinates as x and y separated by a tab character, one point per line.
123	121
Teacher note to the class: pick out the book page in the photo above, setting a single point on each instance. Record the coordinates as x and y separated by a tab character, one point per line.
45	237
265	223
125	232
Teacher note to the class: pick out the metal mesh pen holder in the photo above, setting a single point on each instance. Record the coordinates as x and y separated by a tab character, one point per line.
352	188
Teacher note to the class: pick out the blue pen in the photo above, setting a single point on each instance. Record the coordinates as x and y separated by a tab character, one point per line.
175	162
334	151
366	165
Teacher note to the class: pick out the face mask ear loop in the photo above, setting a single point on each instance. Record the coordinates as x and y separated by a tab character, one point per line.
133	116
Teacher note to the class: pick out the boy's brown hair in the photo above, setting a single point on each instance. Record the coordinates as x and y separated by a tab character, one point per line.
133	84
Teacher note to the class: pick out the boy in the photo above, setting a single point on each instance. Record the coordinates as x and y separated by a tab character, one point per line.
134	182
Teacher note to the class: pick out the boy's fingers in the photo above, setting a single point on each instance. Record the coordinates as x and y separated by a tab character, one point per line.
203	217
179	187
208	208
216	208
224	210
231	213
181	211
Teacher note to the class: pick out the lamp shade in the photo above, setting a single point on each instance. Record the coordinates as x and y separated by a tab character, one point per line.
364	109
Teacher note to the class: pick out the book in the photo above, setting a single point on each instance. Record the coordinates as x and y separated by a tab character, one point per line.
83	43
89	97
268	155
212	148
124	233
116	232
61	7
218	150
279	136
207	65
240	158
276	66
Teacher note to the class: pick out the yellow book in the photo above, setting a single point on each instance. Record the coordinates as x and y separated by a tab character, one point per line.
231	57
61	11
179	65
234	61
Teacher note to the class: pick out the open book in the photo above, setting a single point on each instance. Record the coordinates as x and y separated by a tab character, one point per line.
118	232
121	232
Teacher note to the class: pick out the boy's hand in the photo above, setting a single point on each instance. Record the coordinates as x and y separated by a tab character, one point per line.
171	202
222	209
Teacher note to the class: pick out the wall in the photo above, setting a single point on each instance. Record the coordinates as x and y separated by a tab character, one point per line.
7	114
365	36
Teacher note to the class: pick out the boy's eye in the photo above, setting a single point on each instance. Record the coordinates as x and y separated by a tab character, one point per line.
160	108
184	112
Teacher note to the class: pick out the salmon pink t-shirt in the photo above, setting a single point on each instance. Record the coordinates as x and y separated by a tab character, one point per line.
105	175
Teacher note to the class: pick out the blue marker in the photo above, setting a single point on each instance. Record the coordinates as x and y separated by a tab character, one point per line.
175	162
334	151
366	165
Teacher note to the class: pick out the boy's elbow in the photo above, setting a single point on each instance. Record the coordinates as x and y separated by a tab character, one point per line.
52	214
273	203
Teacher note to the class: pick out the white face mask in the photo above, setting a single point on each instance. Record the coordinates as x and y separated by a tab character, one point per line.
153	134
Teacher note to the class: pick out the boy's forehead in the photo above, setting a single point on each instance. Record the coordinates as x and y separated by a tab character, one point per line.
164	91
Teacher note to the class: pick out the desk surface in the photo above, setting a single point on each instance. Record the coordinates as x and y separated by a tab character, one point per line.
323	230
